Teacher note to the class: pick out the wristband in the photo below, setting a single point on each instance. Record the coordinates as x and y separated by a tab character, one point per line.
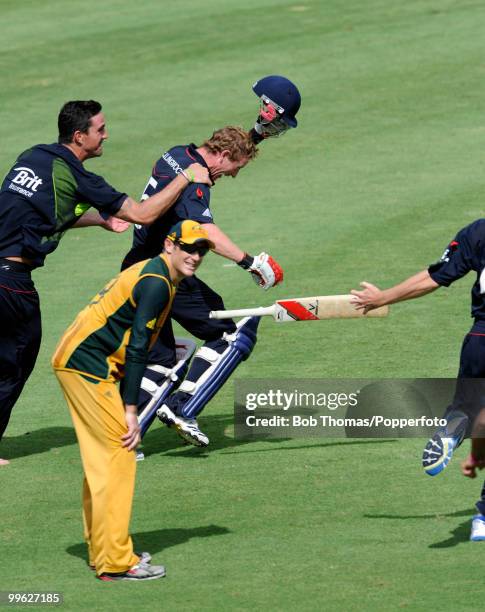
188	175
246	262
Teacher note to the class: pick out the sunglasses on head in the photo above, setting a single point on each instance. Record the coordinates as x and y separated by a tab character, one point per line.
193	248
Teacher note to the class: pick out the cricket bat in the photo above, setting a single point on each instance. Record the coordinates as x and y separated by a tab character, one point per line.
305	309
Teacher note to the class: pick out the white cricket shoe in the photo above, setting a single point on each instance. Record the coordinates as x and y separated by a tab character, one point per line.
140	571
439	449
478	528
188	429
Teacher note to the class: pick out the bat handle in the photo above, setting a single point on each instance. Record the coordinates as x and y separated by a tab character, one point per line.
242	312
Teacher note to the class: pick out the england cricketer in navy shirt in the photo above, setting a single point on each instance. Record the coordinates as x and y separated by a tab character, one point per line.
225	153
466	415
46	192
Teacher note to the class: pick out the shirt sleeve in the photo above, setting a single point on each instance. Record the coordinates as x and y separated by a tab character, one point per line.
194	203
151	295
456	261
94	190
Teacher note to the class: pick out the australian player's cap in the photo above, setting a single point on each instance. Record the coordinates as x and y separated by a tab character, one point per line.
189	232
284	93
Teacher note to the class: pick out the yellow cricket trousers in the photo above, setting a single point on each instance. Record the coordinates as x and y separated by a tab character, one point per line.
109	470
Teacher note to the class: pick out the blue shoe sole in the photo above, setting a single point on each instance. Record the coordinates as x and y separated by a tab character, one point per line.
437	454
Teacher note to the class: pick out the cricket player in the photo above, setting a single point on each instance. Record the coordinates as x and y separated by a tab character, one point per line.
225	344
465	253
46	192
109	341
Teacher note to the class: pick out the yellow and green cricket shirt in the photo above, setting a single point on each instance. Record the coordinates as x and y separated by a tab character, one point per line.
111	337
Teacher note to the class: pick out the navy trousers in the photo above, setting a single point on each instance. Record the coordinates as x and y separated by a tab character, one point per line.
20	333
470	397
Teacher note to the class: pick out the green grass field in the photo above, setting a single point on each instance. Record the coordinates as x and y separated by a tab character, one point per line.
385	166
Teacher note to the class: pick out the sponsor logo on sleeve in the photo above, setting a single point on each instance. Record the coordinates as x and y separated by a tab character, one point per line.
177	168
452	247
25	181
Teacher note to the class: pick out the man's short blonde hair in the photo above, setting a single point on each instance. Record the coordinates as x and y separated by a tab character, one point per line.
233	139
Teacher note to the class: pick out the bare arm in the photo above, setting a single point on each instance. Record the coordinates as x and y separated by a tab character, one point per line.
224	245
93	218
263	268
89	219
155	206
372	297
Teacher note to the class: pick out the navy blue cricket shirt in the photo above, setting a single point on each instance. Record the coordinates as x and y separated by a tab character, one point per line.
43	195
462	255
193	203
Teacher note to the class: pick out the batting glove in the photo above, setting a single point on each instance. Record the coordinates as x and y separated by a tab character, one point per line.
264	270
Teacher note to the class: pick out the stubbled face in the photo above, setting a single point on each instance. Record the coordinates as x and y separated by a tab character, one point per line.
183	263
224	166
92	140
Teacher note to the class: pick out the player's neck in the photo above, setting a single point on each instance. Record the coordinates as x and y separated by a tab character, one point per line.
77	151
209	158
175	276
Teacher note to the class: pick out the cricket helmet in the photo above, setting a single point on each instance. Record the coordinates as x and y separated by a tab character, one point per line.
282	92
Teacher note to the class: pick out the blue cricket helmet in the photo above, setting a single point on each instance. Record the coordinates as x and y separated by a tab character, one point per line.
283	92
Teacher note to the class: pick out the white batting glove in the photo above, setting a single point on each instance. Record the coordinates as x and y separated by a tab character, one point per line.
264	270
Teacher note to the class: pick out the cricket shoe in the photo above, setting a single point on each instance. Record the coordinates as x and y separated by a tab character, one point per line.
188	429
439	450
145	557
140	571
478	528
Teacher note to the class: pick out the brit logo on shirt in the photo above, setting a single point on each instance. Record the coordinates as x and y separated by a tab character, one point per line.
25	181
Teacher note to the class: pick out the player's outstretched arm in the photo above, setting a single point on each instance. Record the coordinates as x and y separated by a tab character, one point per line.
93	218
155	206
371	297
223	244
263	268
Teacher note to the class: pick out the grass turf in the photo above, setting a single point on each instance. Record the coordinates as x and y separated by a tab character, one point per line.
385	166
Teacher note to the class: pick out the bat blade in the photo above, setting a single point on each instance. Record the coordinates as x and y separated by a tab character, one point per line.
323	307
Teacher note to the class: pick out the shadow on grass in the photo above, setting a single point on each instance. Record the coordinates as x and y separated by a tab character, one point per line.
433	515
159	539
166	441
461	533
34	442
304	446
